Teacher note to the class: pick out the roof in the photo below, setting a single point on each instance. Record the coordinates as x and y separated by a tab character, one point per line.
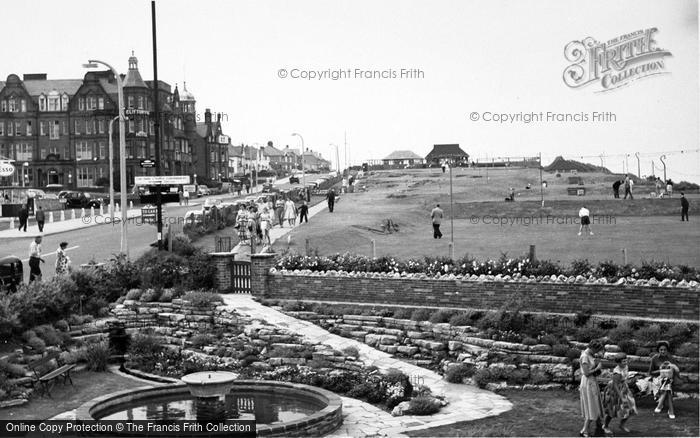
45	86
202	129
403	155
186	95
446	151
272	151
236	151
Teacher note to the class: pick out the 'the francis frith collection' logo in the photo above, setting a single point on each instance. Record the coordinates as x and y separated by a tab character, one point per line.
614	63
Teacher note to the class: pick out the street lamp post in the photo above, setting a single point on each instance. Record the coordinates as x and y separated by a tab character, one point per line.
303	165
111	171
92	63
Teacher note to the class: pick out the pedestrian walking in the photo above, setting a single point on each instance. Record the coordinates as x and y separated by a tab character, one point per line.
35	259
290	212
186	197
657	187
247	188
62	260
303	213
618	401
265	225
591	404
279	211
585	219
628	187
40	217
669	187
685	205
616	188
23	218
436	215
330	196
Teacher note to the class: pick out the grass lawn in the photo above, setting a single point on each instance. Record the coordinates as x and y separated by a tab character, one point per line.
88	385
557	413
648	230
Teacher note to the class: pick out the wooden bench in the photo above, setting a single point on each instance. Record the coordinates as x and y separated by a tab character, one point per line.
46	380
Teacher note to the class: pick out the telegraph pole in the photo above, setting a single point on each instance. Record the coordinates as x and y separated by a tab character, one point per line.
541	184
156	107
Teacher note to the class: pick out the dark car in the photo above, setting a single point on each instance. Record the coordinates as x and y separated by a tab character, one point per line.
80	200
293	179
11	274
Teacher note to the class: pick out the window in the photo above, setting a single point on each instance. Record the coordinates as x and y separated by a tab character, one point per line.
88	127
101	126
76	131
140	102
64	102
65	127
42	128
18	128
24	152
53	150
53	104
3	105
92	103
10	129
23	105
81	104
101	103
141	149
101	150
83	151
2	128
130	102
55	130
29	127
42	103
83	177
151	127
131	126
11	104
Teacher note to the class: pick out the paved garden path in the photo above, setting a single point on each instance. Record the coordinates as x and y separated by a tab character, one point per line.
361	419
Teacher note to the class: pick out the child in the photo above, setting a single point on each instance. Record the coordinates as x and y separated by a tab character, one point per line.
618	400
663	388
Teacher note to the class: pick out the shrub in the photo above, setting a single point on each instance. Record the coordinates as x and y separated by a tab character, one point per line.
421	314
628	346
482	377
403	313
370	390
202	299
49	334
423	405
62	325
351	351
582	317
607	324
202	340
539	377
442	315
560	350
588	333
37	344
621	333
530	341
607	269
97	356
28	335
518	376
581	267
458	372
648	335
182	245
688	349
144	345
134	294
166	296
461	319
150	296
573	354
549	339
677	334
643	352
42	302
12	369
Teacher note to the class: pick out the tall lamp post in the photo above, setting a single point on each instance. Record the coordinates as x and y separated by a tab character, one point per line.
93	63
111	171
303	175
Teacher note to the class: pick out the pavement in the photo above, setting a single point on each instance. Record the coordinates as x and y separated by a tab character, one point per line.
466	402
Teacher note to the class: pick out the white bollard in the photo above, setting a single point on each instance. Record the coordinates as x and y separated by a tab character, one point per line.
116	209
63	215
82	212
12	223
72	214
51	217
131	204
102	212
92	211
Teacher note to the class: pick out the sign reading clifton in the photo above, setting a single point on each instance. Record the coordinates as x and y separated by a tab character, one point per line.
614	63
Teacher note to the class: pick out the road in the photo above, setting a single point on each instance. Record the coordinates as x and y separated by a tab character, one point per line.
102	242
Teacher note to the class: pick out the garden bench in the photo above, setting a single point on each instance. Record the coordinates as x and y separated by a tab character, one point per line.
44	380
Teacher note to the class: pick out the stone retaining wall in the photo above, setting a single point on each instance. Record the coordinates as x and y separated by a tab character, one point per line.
605	299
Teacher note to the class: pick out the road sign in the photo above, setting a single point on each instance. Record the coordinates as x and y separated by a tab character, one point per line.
163	179
6	168
148	163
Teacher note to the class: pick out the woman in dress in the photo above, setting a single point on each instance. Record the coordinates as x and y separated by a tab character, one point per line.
662	372
62	260
265	225
591	404
290	212
618	400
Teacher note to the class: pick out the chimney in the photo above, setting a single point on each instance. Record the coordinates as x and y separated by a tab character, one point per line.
207	116
218	117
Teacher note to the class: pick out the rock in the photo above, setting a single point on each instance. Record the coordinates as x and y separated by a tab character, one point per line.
580	279
407	350
561	373
454	345
620	282
429	345
262	366
612	348
399	409
652	282
541	348
665	283
391	349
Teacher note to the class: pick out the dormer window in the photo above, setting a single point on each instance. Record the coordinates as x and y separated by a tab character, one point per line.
64	102
81	104
23	105
12	105
42	103
3	106
53	104
101	103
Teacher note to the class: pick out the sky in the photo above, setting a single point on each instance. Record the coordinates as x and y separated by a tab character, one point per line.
251	61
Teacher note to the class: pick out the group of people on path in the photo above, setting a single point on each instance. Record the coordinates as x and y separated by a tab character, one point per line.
23	217
256	221
63	262
617	401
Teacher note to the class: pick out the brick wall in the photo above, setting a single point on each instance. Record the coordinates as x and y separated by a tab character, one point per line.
646	302
222	262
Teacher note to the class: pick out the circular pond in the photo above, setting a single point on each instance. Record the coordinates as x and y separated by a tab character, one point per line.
278	408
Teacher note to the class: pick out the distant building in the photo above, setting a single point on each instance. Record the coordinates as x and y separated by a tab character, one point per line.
402	159
447	153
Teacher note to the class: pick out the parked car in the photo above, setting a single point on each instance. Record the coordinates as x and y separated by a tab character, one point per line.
194	217
203	191
293	179
11	273
209	203
80	200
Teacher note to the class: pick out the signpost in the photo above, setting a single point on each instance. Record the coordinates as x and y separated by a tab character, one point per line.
6	168
148	164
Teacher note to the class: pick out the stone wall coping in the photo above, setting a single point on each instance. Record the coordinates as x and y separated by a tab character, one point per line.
223	254
560	280
263	256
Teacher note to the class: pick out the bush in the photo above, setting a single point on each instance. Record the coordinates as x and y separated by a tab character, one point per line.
582	317
560	350
607	269
549	339
458	372
581	267
351	351
588	333
49	334
529	341
677	334
573	354
142	345
202	340
482	377
539	377
628	346
12	369
37	344
688	349
134	294
403	313
166	296
97	356
62	325
648	335
182	245
421	314
643	352
461	319
42	302
202	299
518	376
423	405
621	333
442	315
150	296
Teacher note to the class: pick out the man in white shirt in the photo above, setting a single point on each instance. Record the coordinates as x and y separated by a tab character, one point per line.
436	215
35	259
584	216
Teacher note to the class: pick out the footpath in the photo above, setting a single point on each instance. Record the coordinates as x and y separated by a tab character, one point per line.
360	419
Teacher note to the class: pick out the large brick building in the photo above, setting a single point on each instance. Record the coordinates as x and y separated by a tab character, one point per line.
56	131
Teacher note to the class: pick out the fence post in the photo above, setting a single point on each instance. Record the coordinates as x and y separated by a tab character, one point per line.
452	250
306	246
374	249
624	255
63	215
532	256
